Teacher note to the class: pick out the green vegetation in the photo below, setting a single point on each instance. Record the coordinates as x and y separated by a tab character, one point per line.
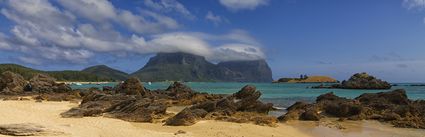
106	72
67	75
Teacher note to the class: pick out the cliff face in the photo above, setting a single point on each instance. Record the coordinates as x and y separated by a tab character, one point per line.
188	67
248	71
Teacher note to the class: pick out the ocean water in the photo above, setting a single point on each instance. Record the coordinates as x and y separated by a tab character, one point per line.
280	94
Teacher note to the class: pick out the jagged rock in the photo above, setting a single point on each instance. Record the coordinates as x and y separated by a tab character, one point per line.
245	102
181	94
95	104
393	107
186	117
132	86
43	83
359	81
142	110
11	83
364	81
26	129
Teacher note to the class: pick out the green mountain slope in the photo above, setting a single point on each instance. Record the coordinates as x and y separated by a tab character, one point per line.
67	75
106	72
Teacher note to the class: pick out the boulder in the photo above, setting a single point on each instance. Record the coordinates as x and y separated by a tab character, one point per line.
244	102
140	110
364	81
27	129
359	81
11	83
132	86
393	107
44	83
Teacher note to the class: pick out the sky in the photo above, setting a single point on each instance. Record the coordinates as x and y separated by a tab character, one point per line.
338	38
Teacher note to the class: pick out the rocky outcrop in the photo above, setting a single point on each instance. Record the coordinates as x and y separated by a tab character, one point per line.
188	67
11	83
43	83
27	129
242	106
393	107
135	103
131	86
360	81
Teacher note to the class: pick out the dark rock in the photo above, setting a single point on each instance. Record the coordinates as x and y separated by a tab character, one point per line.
393	107
364	81
11	83
244	102
142	110
186	117
43	83
27	129
360	81
107	89
132	86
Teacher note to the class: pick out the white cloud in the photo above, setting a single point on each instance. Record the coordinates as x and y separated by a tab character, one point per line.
232	52
214	18
236	5
43	32
169	6
410	4
103	11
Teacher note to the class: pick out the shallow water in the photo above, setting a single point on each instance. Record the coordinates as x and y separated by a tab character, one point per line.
281	94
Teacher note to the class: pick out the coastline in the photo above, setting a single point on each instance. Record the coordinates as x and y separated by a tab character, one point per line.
47	114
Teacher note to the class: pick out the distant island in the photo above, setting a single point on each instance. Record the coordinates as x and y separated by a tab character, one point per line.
308	79
163	67
360	81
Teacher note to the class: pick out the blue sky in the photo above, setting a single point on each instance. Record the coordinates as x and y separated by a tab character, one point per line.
316	37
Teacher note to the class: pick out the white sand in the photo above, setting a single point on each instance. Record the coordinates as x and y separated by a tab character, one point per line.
47	114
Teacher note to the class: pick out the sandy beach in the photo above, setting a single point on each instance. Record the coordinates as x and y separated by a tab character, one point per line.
47	114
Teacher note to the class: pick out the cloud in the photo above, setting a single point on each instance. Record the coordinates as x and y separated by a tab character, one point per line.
102	11
214	18
232	52
411	4
236	5
43	32
169	6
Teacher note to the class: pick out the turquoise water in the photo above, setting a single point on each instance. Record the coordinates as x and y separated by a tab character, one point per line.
281	94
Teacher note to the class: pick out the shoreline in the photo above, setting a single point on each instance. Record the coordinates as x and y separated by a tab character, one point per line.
47	114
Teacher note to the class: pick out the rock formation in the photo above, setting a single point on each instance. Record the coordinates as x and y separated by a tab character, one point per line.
11	83
132	86
360	81
43	83
393	107
189	67
242	107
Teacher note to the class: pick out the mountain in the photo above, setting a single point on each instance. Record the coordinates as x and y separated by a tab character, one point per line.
176	66
67	75
189	67
249	71
106	72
